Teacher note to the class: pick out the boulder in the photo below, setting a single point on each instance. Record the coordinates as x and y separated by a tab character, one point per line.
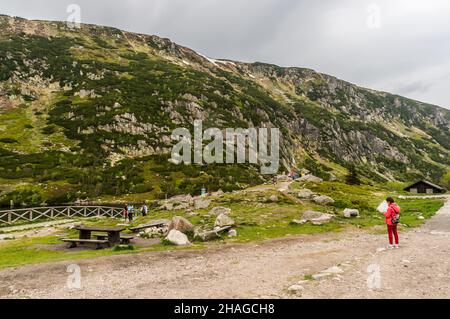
309	214
316	218
224	220
323	200
177	202
219	211
282	178
273	198
348	213
166	206
210	234
177	238
232	233
218	193
310	178
206	235
305	193
181	224
325	218
202	203
181	199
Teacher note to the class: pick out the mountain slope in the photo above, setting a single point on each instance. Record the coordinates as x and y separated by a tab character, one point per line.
88	112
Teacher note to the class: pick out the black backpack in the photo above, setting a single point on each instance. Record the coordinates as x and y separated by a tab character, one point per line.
395	219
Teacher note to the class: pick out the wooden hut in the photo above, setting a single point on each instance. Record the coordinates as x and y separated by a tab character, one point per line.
425	187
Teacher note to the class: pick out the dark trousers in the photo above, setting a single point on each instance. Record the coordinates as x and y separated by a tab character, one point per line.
130	217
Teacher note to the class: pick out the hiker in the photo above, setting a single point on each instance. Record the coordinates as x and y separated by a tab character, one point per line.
392	219
144	210
125	212
130	213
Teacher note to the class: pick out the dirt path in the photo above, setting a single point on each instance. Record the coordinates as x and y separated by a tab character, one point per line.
420	268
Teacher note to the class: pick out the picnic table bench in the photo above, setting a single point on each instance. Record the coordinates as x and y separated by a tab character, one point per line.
155	223
98	243
124	239
111	239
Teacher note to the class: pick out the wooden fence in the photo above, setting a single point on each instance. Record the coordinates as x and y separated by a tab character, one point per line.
32	214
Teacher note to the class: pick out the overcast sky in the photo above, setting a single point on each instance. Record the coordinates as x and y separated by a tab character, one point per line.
399	46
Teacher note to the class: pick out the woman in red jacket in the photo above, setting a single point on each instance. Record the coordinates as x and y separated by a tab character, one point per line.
392	211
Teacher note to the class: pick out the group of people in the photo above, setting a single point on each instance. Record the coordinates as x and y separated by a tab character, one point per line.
128	211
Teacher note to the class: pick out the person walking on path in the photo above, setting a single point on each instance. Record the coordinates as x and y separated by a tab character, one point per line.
392	218
125	212
144	210
130	213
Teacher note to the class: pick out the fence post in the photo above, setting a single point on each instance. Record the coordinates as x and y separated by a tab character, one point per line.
31	215
9	217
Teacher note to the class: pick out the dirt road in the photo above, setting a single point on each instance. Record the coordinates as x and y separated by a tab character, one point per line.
282	268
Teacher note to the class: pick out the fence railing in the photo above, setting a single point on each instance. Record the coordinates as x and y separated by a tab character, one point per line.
32	214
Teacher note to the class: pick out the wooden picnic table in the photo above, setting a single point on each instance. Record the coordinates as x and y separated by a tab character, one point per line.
113	233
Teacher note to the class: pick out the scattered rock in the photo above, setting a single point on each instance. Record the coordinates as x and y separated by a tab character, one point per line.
273	198
282	178
299	222
310	178
156	230
321	276
182	198
192	214
167	206
220	210
202	203
309	214
323	200
294	289
421	217
348	213
218	193
379	250
206	235
232	233
181	224
177	238
333	270
223	220
305	193
177	203
317	218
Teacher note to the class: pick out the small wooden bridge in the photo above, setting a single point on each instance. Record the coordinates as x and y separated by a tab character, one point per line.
12	216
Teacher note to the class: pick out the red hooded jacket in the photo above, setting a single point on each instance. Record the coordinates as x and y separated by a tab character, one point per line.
393	209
